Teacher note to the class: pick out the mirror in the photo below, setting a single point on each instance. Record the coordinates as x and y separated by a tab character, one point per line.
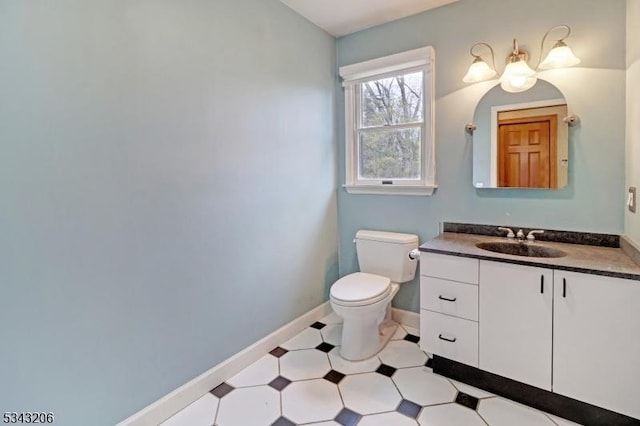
521	140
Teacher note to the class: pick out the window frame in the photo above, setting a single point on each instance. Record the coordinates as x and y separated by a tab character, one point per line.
389	66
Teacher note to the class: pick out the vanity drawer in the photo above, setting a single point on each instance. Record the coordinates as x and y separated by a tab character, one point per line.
453	268
435	328
449	297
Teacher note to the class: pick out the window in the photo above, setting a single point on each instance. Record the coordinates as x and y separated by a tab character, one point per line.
389	124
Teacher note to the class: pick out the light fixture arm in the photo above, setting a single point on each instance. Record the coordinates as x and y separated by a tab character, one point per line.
560	40
493	56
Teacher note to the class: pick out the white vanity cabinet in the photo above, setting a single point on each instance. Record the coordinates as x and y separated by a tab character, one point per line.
596	340
449	307
515	323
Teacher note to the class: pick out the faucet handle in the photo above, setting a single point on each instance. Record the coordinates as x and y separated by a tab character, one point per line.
510	233
531	237
520	235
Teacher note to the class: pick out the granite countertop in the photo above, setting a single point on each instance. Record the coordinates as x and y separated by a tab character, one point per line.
607	261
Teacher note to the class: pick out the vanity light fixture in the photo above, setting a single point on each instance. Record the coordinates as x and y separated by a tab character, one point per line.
518	76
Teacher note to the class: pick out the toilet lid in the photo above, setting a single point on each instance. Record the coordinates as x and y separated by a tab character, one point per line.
359	287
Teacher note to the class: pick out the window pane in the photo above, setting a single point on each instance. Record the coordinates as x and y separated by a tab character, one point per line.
389	154
394	100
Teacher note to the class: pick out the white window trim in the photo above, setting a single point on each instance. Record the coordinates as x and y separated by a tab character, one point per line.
417	59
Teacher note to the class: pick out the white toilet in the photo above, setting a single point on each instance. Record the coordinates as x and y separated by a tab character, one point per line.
363	299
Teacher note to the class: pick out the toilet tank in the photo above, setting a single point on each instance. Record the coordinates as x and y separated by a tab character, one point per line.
387	254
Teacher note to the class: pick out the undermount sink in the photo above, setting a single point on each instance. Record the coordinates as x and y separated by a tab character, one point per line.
521	249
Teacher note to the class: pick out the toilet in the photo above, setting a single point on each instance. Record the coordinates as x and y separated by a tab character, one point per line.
363	299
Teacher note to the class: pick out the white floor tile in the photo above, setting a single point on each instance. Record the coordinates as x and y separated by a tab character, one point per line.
307	339
369	393
561	422
311	401
387	419
325	424
500	412
201	413
260	372
350	367
470	390
421	386
304	364
401	353
256	406
332	334
451	415
332	318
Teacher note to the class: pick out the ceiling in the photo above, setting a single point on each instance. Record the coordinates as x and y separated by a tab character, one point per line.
341	17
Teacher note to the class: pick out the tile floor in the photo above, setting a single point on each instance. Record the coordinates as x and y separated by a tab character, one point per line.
305	382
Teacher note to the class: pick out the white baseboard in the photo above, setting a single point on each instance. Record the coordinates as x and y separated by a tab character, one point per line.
180	398
408	318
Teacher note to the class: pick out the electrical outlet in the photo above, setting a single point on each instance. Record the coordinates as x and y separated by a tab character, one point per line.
631	199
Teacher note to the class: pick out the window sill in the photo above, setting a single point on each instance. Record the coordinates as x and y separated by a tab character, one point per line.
425	190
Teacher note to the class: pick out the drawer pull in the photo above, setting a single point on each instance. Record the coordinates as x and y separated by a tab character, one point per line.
564	287
446	340
542	284
441	297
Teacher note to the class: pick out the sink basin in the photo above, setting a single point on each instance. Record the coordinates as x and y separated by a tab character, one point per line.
521	249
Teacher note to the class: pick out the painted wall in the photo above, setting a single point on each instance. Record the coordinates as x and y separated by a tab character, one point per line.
595	90
167	187
632	220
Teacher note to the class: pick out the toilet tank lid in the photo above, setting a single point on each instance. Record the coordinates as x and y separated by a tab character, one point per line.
387	237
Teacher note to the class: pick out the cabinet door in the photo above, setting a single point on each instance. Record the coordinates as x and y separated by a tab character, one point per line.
597	340
515	316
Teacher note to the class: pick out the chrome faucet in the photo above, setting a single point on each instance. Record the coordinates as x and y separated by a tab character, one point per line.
520	235
510	233
531	237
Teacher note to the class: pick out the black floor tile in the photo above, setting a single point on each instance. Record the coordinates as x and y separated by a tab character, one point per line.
347	417
325	347
283	422
467	400
222	390
278	352
386	370
334	376
429	363
412	338
318	325
279	383
409	409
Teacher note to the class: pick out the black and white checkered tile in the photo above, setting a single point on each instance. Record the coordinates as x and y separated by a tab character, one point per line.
306	382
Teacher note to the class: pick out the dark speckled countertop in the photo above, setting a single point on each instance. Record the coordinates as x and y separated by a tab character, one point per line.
607	261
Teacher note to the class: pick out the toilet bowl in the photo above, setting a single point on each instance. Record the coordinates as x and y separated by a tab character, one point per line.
363	299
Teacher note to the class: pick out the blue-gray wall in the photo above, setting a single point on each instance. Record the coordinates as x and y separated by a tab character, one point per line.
595	90
167	193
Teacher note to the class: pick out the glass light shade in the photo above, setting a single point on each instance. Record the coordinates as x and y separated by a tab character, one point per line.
518	77
518	68
560	56
479	71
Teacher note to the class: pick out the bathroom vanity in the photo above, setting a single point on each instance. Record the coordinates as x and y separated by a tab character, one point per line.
561	334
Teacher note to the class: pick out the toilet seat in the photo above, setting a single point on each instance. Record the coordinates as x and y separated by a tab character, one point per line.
360	289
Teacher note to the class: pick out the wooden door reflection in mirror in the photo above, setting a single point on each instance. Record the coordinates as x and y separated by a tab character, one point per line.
527	151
